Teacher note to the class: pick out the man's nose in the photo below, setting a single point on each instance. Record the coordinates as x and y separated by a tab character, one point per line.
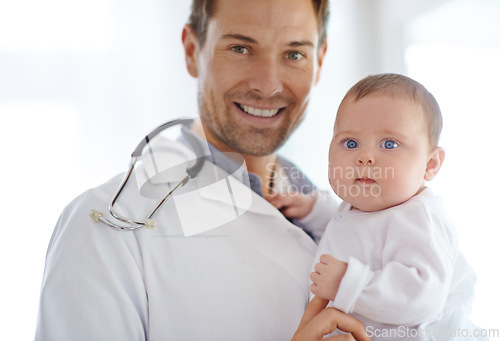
266	77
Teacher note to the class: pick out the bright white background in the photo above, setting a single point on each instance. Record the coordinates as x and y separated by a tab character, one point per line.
81	82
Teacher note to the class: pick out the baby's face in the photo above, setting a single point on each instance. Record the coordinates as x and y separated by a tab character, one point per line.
379	152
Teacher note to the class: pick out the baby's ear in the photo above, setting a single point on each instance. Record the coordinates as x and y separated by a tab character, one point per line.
434	163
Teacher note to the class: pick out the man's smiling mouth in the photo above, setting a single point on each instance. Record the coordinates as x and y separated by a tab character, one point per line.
257	112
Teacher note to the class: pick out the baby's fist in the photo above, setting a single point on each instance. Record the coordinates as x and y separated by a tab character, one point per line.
327	276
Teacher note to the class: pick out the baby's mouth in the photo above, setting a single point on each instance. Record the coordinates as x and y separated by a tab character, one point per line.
366	181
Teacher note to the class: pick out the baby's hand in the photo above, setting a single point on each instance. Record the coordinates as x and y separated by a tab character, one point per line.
327	276
293	205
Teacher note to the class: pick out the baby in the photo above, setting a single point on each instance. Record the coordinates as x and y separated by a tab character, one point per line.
390	255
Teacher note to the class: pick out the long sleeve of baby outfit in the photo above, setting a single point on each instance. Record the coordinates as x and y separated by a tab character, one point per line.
400	262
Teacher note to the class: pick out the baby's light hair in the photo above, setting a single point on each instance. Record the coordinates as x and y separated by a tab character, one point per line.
405	87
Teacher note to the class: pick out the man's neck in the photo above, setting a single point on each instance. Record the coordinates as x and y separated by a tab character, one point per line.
262	166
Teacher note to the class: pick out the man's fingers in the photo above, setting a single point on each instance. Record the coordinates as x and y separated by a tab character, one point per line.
347	324
343	337
314	307
327	321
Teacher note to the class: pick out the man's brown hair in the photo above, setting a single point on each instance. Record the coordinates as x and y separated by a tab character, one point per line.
203	10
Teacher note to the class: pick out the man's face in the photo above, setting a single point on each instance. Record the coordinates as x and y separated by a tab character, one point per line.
255	72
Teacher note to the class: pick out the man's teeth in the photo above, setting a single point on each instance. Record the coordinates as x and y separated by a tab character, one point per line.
259	112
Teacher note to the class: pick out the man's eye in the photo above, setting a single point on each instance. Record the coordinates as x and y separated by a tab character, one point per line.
239	49
389	144
350	144
294	55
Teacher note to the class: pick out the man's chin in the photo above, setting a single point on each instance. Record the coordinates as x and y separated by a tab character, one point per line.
255	150
254	144
247	140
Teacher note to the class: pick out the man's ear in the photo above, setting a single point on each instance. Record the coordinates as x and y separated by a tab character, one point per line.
191	49
434	163
321	56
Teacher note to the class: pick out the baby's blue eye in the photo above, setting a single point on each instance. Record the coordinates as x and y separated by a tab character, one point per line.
389	144
350	144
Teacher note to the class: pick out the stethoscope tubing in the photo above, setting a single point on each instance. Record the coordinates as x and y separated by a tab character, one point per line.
192	172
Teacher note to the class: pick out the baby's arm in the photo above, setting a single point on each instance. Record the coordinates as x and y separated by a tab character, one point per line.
412	284
402	293
328	273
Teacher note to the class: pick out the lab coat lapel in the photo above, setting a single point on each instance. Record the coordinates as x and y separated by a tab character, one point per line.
241	196
217	204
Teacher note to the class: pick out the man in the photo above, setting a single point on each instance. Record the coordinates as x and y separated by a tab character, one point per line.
256	62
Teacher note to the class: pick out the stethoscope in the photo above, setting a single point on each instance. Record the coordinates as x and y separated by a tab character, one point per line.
191	172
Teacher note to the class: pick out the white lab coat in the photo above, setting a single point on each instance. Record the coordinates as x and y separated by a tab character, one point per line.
245	280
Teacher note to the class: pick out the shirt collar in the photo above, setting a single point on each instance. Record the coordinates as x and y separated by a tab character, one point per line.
232	165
